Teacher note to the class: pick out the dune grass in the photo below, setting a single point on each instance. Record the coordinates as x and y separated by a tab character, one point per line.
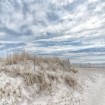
44	71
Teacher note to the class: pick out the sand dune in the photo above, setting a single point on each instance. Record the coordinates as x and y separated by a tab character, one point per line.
48	83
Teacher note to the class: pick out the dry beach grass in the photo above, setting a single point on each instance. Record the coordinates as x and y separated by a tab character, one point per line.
45	73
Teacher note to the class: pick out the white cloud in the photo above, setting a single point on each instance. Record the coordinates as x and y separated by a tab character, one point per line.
62	2
91	1
2	34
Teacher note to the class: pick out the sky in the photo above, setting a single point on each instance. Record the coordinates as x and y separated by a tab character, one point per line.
73	29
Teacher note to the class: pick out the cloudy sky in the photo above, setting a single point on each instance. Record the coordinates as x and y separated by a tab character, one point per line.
68	28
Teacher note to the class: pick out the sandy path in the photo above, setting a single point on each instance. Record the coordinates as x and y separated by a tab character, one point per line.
94	86
100	94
